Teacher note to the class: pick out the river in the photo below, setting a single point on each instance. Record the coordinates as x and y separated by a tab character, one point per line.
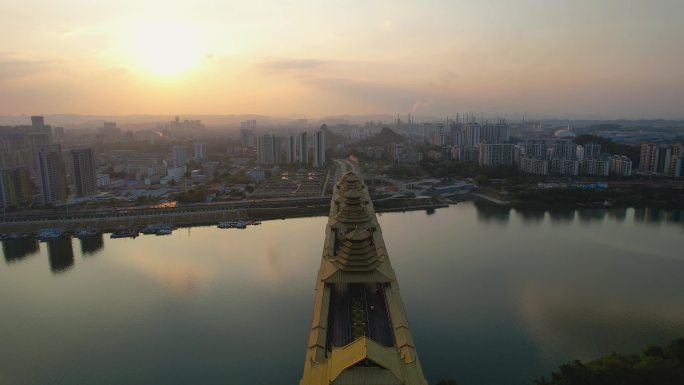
494	296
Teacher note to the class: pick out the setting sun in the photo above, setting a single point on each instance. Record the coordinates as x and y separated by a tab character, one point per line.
165	49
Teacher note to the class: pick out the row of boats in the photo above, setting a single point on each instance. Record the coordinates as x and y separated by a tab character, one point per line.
237	224
129	232
51	234
120	232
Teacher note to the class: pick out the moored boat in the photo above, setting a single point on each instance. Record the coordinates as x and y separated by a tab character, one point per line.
50	234
124	232
164	231
156	228
84	233
232	225
150	229
15	236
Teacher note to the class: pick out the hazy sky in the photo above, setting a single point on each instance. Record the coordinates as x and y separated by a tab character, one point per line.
608	58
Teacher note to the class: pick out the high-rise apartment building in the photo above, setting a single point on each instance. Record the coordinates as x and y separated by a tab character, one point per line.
535	166
268	149
15	189
457	136
503	132
648	159
247	137
439	135
37	121
563	149
495	133
303	148
319	148
249	124
535	149
677	166
428	131
291	149
592	151
85	178
178	156
472	134
50	174
659	159
565	167
620	165
19	145
492	155
200	151
109	132
58	134
664	160
595	167
677	161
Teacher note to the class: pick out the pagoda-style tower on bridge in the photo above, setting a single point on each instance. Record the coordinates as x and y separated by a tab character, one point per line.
359	332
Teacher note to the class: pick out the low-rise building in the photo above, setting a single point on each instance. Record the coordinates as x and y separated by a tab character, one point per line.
257	174
176	173
103	180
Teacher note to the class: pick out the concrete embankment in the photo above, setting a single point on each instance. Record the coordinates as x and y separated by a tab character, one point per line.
194	218
407	204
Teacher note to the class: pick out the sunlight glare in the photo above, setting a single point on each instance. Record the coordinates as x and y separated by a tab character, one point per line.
166	49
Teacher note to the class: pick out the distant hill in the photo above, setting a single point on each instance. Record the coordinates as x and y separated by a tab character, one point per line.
332	139
359	119
385	136
608	146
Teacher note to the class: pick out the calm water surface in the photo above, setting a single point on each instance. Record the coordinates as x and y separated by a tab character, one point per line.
494	297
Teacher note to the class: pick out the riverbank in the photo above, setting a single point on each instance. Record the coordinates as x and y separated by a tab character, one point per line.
671	198
204	215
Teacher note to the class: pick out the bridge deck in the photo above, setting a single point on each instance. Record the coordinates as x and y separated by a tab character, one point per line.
358	310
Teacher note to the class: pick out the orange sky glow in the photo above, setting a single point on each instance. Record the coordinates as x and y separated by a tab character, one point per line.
310	58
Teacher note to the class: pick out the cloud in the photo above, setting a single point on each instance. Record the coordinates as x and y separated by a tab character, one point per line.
292	64
14	66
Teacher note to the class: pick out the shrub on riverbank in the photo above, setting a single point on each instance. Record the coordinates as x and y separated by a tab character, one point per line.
655	365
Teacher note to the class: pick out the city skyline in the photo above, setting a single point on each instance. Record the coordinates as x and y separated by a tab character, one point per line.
308	59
